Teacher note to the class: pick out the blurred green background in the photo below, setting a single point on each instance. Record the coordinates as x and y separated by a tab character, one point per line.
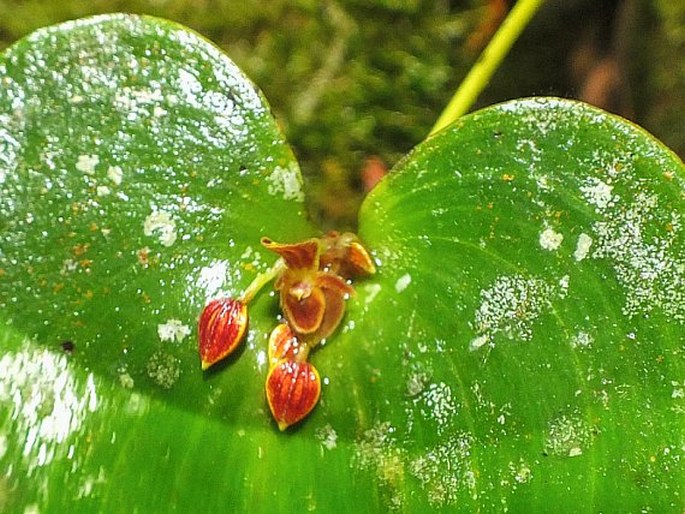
355	84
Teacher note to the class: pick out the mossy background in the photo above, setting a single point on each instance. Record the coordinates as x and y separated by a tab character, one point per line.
355	84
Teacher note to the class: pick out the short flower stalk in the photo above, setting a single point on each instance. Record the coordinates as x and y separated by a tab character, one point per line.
313	281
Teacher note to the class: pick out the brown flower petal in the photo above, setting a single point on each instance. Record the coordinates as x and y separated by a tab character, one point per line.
297	256
333	283
345	255
284	345
220	329
303	306
335	291
292	391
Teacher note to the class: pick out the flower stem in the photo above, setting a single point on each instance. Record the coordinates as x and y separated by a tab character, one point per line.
261	280
488	62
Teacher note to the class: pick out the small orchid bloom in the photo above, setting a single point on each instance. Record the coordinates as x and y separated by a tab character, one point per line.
312	300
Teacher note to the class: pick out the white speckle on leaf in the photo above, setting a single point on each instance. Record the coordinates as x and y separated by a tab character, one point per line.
567	436
550	240
403	282
126	380
162	223
212	278
581	340
102	190
416	383
115	174
598	193
563	286
372	291
86	163
327	436
158	111
521	473
173	330
377	451
286	182
445	470
478	342
164	369
89	482
644	244
509	307
437	404
68	265
253	257
582	247
575	452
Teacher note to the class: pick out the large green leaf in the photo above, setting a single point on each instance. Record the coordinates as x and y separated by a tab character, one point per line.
521	346
533	292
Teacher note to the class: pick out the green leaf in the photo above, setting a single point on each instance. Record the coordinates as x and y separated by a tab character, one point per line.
490	364
138	170
528	323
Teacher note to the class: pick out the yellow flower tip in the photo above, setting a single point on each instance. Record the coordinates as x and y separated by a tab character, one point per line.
360	260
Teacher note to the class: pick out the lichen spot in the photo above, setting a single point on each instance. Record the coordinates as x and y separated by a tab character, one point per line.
445	471
582	247
598	193
550	240
173	330
377	451
161	223
126	380
478	342
510	306
115	174
371	291
581	340
86	163
403	282
164	369
568	436
327	436
286	182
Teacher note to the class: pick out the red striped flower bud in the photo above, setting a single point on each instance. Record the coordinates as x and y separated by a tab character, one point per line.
292	390
221	328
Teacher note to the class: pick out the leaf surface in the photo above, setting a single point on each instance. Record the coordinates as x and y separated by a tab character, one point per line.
533	307
521	345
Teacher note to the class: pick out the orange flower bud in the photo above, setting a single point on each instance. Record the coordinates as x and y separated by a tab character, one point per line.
292	390
284	345
221	328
